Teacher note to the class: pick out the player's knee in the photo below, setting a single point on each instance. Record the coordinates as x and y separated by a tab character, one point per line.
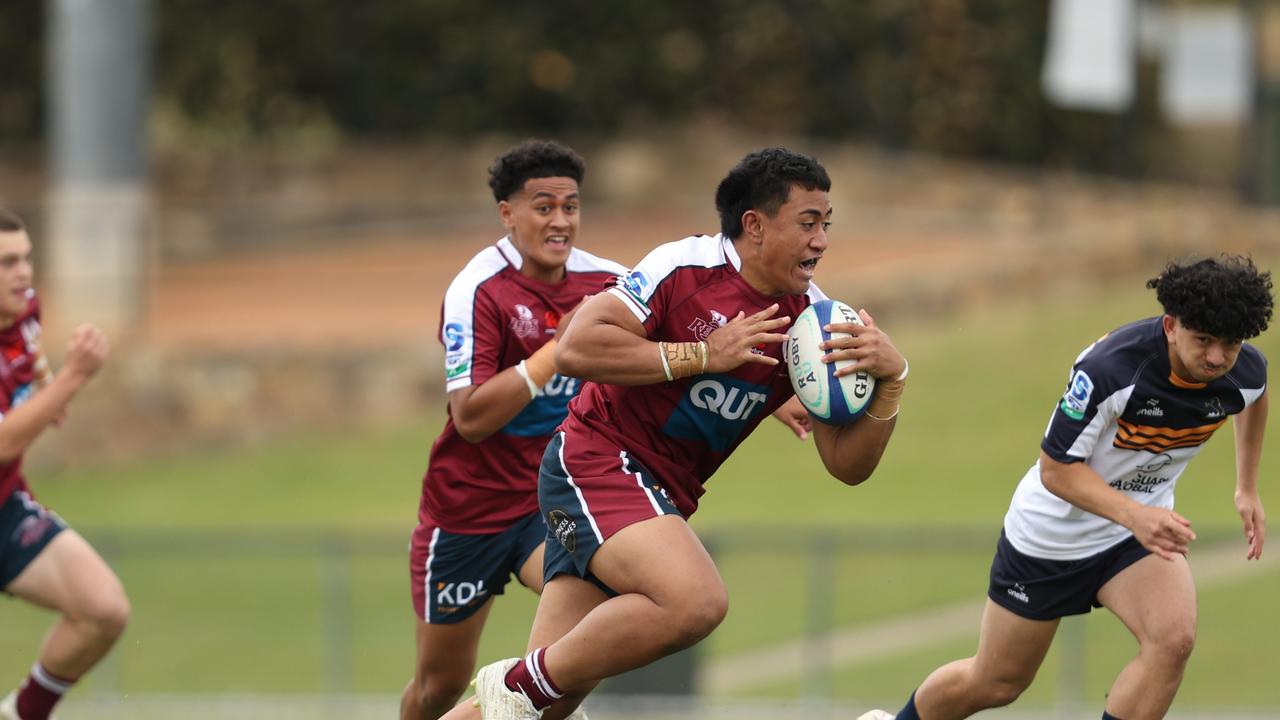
440	692
1174	646
107	614
1003	692
700	616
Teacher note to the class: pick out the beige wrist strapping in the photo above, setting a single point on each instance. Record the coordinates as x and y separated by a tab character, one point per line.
685	359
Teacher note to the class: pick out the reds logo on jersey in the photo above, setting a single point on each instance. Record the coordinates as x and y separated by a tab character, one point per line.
703	328
523	324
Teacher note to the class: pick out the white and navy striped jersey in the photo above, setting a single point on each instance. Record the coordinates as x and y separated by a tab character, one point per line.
1136	424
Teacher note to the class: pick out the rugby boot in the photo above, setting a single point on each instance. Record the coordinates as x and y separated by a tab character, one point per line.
495	700
876	715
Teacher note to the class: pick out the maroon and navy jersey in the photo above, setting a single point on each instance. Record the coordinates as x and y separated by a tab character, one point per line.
683	430
19	375
492	318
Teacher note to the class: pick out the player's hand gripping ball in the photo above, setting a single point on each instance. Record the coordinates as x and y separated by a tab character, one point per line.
832	400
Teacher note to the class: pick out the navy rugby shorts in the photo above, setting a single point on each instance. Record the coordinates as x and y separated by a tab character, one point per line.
454	575
1039	589
26	528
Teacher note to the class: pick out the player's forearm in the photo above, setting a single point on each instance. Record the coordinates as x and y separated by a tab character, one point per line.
1250	427
605	353
482	410
852	452
23	424
1080	485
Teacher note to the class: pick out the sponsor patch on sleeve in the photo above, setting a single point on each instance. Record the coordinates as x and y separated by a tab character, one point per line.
454	371
636	283
1076	401
453	336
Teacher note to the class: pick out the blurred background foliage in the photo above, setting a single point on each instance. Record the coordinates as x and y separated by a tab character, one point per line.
957	77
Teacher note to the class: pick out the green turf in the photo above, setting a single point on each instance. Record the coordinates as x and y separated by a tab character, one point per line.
282	568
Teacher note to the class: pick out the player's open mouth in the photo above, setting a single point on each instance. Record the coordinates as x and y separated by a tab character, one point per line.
558	241
810	264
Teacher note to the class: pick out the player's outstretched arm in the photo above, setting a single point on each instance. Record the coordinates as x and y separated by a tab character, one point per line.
1163	532
86	352
1250	426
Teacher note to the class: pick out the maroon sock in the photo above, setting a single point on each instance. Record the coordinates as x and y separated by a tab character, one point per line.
530	677
40	692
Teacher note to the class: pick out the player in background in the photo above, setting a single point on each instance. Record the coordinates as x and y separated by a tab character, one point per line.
478	520
683	357
1092	523
42	561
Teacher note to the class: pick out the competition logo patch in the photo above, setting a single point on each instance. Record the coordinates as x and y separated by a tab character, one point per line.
636	282
1076	401
563	528
453	337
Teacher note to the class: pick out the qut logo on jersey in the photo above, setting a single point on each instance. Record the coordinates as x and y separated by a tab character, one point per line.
460	593
729	403
560	386
716	410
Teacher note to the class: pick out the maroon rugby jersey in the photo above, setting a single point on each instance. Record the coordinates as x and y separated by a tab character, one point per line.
492	318
682	431
19	352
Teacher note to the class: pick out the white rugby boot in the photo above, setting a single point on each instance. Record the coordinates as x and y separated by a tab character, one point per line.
876	715
493	698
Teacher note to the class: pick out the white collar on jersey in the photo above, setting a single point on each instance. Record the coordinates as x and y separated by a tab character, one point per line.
509	252
730	252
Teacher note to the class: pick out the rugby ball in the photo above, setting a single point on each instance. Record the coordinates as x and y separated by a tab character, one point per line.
832	400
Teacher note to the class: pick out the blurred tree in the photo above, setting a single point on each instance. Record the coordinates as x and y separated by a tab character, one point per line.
960	77
22	81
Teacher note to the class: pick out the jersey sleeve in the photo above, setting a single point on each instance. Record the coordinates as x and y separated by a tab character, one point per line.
1250	374
649	289
1095	395
471	332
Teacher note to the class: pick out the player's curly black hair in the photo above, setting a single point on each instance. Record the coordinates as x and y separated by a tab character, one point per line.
1226	296
533	159
762	181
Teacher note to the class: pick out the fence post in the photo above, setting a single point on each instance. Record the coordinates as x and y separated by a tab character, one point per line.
821	616
335	614
1071	662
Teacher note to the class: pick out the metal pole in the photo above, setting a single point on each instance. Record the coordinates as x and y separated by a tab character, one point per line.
98	61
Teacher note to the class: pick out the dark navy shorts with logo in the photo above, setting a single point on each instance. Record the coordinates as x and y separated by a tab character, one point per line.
456	574
1039	589
588	490
26	528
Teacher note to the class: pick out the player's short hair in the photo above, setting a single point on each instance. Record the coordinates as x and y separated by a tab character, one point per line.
533	159
1227	296
10	221
762	181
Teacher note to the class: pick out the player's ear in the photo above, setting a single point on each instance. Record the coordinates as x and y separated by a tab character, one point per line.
506	215
753	225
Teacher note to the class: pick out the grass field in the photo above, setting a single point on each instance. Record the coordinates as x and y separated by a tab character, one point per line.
282	568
